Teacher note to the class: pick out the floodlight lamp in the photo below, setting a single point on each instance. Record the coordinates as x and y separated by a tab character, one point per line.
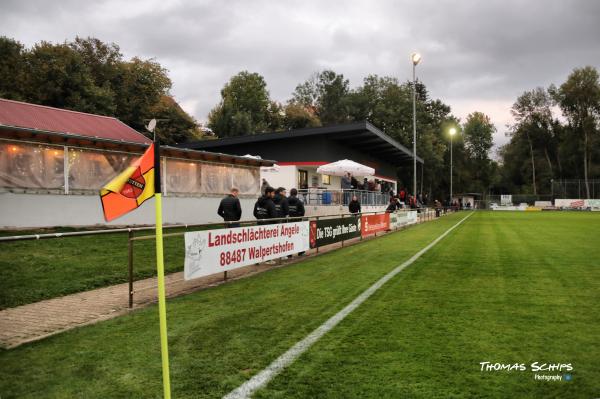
416	58
452	131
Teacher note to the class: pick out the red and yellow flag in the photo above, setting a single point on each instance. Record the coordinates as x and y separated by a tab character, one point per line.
130	189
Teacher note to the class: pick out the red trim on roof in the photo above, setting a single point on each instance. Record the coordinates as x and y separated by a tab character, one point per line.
307	163
40	117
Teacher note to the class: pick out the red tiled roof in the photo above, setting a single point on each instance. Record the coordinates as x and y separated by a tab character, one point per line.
32	116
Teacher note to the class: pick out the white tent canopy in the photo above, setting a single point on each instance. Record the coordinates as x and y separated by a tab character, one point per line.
340	168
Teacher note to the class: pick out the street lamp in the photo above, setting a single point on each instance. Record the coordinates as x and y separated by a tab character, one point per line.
452	133
416	58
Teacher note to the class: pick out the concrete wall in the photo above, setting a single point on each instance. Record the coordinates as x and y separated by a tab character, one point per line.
47	210
319	210
286	177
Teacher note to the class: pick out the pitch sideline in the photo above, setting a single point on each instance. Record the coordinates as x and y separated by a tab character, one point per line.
261	379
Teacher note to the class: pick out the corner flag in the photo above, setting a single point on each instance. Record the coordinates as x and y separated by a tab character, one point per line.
130	189
126	192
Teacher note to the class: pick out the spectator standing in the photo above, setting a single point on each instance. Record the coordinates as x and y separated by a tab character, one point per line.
264	208
365	184
353	183
230	209
295	204
346	182
354	206
296	208
264	186
392	206
403	195
346	187
281	204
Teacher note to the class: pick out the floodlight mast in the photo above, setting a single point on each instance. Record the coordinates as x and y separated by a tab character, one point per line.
452	133
416	58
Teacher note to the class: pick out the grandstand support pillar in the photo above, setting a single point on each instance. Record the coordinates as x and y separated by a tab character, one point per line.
130	266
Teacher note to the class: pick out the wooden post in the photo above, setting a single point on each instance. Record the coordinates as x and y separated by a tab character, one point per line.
342	235
316	246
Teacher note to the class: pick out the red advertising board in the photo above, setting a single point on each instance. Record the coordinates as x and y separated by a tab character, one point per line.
371	224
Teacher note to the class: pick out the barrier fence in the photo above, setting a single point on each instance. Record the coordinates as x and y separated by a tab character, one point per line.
318	196
324	230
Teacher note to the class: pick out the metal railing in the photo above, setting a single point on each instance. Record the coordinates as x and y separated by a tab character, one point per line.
323	196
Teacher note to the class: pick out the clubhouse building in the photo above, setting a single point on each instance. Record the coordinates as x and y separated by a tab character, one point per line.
53	163
300	152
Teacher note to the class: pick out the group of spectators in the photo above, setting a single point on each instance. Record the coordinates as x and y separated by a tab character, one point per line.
401	200
275	204
349	182
272	204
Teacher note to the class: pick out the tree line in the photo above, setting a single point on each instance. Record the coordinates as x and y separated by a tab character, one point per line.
89	75
327	98
555	134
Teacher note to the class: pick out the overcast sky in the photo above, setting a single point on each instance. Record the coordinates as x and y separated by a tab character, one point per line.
477	55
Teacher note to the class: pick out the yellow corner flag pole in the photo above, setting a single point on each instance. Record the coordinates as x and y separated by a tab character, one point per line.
160	268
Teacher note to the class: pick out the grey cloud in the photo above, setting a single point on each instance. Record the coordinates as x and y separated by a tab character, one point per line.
474	52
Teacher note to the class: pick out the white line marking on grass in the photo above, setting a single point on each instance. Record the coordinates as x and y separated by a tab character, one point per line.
261	379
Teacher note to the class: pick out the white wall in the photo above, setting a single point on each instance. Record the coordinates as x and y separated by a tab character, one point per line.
285	177
47	210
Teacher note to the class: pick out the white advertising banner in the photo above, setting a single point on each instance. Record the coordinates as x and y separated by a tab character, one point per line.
569	203
506	199
412	217
402	218
592	203
213	251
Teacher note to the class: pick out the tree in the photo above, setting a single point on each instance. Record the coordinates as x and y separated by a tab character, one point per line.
102	59
478	133
175	126
142	83
245	107
12	69
579	100
298	116
57	76
533	116
327	93
89	75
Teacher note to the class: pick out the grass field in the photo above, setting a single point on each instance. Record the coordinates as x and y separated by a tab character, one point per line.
503	287
34	270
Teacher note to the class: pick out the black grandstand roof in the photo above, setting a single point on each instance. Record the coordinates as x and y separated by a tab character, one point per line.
362	136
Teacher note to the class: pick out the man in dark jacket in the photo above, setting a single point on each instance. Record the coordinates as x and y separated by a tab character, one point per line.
281	203
296	206
354	206
296	209
230	209
393	205
264	208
